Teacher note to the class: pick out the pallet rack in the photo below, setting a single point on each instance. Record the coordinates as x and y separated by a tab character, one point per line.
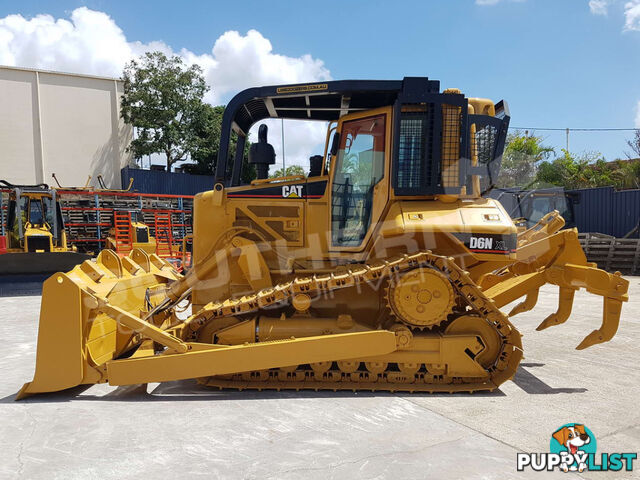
611	253
89	214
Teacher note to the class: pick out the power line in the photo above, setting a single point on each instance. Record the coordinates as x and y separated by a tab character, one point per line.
569	130
577	129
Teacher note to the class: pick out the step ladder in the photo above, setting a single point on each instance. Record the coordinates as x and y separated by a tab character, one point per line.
122	228
164	234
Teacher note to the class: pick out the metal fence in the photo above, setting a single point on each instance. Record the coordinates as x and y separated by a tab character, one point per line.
598	210
605	210
165	183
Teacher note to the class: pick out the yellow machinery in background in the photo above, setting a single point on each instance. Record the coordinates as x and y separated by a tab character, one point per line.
128	232
35	240
385	268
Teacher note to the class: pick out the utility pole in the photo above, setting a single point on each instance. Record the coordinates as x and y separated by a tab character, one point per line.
567	140
284	171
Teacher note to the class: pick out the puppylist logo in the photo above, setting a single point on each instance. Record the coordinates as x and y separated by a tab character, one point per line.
573	449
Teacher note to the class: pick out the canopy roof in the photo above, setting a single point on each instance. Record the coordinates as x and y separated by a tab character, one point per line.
324	101
318	101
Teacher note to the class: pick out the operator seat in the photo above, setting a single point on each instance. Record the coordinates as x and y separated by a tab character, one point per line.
262	154
315	165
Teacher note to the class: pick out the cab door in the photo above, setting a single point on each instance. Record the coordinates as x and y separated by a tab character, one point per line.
360	178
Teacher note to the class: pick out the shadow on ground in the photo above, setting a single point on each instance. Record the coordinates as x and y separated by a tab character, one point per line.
21	285
531	384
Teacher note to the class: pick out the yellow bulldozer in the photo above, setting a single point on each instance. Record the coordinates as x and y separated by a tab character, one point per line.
34	239
385	268
128	232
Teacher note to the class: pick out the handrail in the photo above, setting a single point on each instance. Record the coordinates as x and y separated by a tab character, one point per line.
277	179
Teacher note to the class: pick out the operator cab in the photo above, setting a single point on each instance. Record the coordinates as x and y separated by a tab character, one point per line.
34	218
386	141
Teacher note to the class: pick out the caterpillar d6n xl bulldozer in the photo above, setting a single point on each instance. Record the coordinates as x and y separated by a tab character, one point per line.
383	269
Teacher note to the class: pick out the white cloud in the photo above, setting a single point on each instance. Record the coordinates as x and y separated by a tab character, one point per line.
598	7
632	15
237	62
90	42
638	115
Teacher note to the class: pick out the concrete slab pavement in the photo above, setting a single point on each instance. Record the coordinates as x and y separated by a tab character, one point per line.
180	428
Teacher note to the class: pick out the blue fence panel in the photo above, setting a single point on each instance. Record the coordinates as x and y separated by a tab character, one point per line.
605	210
165	183
626	210
593	210
601	210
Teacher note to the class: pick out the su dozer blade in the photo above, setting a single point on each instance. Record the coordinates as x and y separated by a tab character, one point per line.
385	268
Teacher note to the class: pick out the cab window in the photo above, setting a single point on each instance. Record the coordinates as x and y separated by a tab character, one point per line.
36	215
359	167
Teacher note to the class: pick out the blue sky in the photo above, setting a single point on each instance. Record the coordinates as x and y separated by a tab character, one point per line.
557	63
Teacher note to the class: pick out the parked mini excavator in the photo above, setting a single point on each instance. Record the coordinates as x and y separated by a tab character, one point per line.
383	269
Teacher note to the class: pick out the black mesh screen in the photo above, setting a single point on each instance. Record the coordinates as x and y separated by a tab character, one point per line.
411	168
451	126
415	166
441	148
483	145
485	140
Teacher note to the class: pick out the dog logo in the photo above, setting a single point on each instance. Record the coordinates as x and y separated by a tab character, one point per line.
577	441
573	449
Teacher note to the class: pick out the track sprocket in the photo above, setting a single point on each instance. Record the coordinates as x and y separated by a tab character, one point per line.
422	297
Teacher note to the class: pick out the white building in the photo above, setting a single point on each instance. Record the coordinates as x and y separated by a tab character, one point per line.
61	123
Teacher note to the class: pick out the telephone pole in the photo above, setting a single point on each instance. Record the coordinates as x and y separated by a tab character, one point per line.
284	171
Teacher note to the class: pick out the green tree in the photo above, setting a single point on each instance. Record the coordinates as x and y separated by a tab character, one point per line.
162	99
520	160
576	171
205	144
288	171
206	139
634	145
626	173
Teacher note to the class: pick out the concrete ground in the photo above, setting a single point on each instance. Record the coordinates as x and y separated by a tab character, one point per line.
180	428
